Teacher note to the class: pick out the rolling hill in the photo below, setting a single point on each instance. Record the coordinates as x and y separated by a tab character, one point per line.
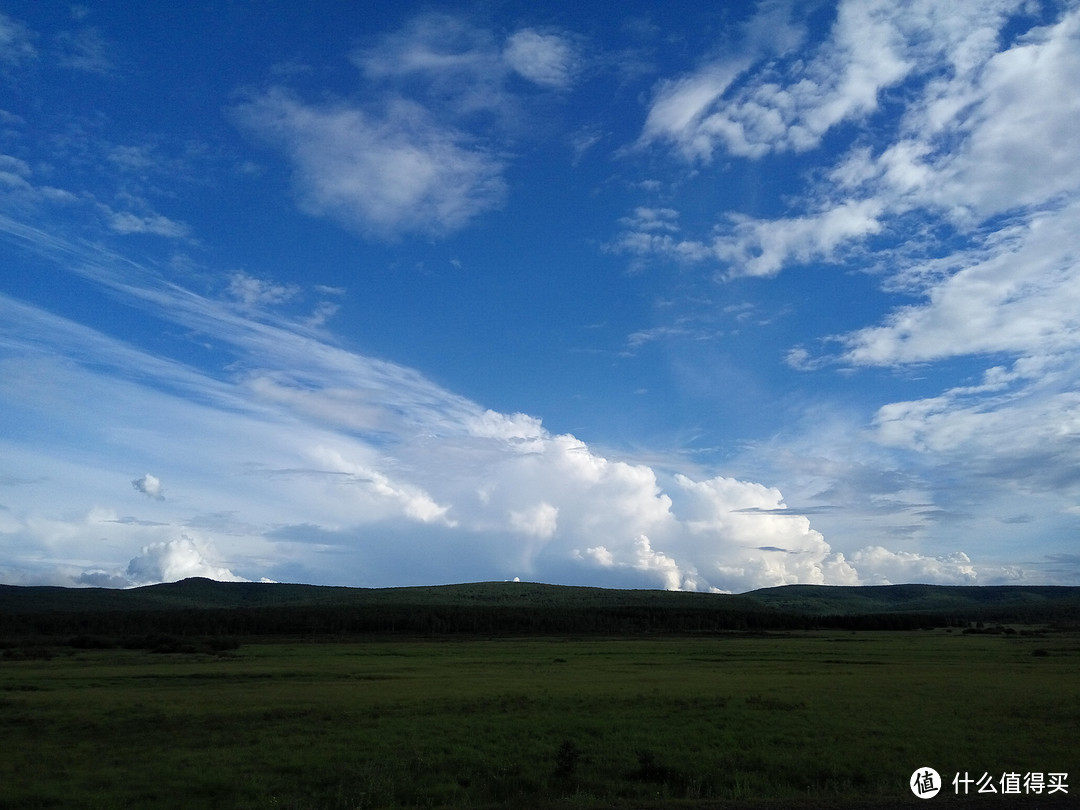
202	606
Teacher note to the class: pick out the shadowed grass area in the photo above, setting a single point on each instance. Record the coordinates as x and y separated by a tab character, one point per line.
823	717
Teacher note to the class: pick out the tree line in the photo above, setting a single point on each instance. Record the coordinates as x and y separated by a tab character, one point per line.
335	620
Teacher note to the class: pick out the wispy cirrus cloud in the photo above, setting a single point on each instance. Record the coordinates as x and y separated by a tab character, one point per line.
125	222
16	42
85	49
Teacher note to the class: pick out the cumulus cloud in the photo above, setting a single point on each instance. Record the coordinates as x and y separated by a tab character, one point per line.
1018	292
175	560
150	486
880	566
540	521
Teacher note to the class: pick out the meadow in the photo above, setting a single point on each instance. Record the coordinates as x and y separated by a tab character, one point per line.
815	719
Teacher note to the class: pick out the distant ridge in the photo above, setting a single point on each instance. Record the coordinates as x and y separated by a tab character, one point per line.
995	602
200	593
823	600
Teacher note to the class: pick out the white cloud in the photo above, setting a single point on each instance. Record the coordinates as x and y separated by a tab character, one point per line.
790	104
324	311
652	219
763	247
18	186
440	47
384	174
982	154
465	68
1020	116
255	292
658	565
133	158
760	543
748	246
125	222
1018	293
150	486
16	42
983	132
879	566
680	105
1019	427
84	49
425	150
175	560
546	59
410	501
14	173
540	521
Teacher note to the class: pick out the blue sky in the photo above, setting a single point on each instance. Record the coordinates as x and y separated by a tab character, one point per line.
703	296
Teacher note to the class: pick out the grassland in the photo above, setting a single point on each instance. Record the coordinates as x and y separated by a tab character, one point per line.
819	719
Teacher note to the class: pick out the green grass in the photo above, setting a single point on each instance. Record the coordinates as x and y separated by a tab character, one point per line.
827	718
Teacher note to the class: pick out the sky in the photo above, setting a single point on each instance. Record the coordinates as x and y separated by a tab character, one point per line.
702	296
